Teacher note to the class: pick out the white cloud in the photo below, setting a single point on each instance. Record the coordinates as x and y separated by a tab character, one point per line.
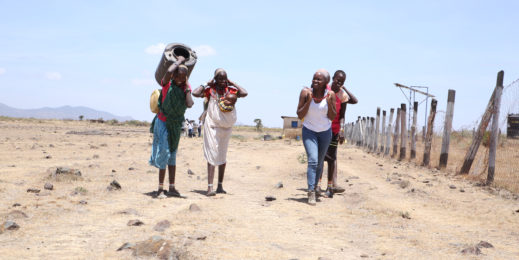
155	49
204	50
53	75
2	71
143	82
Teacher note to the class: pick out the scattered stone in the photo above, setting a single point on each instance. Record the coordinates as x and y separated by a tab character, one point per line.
113	170
129	211
484	244
96	156
9	225
193	207
404	184
115	185
80	191
473	250
270	198
135	222
279	185
83	202
517	211
65	174
155	246
51	145
48	157
18	205
161	226
31	190
258	167
323	258
197	237
16	214
505	194
197	177
452	186
126	245
48	186
462	190
426	181
12	166
364	256
190	172
131	169
405	215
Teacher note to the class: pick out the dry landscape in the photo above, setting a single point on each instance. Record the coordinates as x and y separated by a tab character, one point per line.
390	210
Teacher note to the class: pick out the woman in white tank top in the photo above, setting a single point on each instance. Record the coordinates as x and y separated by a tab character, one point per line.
317	110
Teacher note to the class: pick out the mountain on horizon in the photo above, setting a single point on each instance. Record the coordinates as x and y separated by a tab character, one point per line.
64	112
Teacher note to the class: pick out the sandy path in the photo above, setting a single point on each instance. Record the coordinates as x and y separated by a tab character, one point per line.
364	222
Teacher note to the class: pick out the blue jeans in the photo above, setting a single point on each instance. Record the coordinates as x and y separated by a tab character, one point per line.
316	144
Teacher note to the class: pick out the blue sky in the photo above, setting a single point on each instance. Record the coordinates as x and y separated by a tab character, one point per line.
103	54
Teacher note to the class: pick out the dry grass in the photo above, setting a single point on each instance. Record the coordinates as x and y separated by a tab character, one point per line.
507	161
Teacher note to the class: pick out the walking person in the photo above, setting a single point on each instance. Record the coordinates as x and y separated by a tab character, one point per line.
173	101
317	108
343	97
219	119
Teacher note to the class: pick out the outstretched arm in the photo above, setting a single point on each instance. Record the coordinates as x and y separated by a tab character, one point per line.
241	91
304	103
189	99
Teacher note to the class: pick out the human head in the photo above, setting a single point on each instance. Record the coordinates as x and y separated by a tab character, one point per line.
180	75
320	79
230	99
220	78
338	79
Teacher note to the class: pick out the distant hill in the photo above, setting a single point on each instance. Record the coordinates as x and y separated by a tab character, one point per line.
64	112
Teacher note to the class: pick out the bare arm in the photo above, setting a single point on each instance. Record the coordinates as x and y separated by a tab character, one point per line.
241	91
304	103
199	92
169	73
341	117
189	99
332	110
353	99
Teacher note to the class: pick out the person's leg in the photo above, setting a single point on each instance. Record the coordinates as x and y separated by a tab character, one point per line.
210	177
221	172
323	141
310	144
162	175
172	191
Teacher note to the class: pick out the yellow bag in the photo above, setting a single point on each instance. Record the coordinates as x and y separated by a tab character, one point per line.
154	101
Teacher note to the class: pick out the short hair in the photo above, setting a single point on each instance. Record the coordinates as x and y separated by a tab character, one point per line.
325	73
218	71
339	72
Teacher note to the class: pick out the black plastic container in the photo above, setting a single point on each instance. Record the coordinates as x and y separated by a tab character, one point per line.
171	54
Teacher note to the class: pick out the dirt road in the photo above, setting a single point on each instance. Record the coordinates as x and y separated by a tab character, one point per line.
389	210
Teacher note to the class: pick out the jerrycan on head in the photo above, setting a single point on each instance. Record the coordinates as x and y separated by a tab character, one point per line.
171	54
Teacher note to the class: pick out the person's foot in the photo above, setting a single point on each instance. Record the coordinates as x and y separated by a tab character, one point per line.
329	193
172	193
210	193
220	190
318	192
311	198
338	189
158	192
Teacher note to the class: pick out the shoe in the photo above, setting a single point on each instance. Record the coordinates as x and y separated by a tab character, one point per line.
318	192
338	189
172	193
329	193
210	194
311	198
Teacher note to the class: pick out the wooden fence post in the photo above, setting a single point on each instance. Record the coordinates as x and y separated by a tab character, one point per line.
388	132
478	135
429	135
494	135
396	133
377	129
383	132
444	156
403	130
413	131
423	134
373	136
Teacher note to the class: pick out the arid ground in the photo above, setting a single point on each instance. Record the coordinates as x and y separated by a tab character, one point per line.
389	210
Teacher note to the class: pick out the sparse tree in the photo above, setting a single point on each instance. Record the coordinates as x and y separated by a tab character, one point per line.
259	125
81	117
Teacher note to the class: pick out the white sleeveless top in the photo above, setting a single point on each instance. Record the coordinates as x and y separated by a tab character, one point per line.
317	117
